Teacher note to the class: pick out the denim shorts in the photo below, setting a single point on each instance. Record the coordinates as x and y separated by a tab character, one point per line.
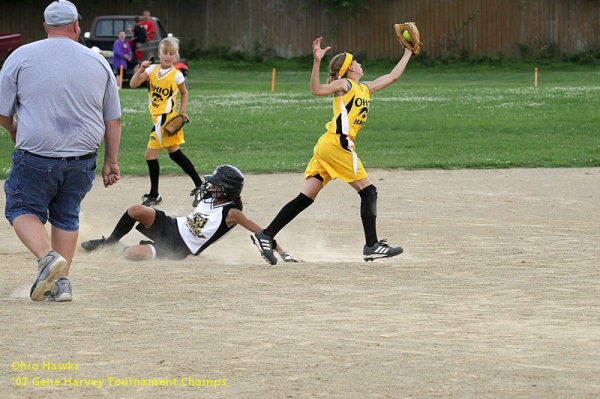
51	189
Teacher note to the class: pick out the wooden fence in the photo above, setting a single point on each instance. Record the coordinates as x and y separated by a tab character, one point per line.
284	28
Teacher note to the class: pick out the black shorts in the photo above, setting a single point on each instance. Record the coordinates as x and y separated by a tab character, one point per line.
165	236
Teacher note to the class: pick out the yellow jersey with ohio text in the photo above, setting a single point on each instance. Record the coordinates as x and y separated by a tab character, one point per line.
351	110
162	91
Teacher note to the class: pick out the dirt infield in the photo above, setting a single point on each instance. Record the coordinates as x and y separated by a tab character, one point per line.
496	295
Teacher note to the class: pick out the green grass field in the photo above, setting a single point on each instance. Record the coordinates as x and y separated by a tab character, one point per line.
453	117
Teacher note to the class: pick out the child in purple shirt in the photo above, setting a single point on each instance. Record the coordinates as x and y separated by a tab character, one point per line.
121	55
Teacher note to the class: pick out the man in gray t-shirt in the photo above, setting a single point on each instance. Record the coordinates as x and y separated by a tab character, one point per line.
66	100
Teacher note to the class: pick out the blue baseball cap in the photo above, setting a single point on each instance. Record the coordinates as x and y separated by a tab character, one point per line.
61	12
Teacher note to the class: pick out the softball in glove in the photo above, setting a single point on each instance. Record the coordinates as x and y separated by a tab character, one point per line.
408	34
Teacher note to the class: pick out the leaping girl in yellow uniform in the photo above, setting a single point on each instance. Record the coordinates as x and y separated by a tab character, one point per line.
335	153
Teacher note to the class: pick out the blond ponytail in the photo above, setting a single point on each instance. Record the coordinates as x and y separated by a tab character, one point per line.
334	67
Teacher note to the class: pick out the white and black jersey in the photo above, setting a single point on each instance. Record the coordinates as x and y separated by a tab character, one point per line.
206	225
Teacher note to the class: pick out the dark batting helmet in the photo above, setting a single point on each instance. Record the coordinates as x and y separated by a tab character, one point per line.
229	178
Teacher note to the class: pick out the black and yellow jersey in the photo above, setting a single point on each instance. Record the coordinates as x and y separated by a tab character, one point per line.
351	110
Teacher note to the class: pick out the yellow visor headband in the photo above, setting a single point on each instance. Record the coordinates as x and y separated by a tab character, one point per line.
345	65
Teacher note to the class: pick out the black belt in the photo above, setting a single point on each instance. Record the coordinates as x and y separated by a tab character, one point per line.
81	157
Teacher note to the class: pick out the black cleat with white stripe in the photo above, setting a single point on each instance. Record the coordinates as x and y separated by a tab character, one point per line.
381	249
264	243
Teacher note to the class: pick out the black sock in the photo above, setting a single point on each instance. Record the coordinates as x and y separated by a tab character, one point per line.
368	213
123	227
186	165
288	213
154	169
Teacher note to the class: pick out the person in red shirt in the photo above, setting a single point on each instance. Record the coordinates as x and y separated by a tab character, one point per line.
138	36
148	24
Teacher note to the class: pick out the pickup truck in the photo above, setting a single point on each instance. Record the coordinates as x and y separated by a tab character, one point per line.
105	30
8	43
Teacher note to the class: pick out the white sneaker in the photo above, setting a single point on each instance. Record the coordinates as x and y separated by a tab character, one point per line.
50	268
63	292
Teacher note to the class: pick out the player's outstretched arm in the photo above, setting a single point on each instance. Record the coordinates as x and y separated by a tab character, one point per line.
386	80
235	216
140	76
316	88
